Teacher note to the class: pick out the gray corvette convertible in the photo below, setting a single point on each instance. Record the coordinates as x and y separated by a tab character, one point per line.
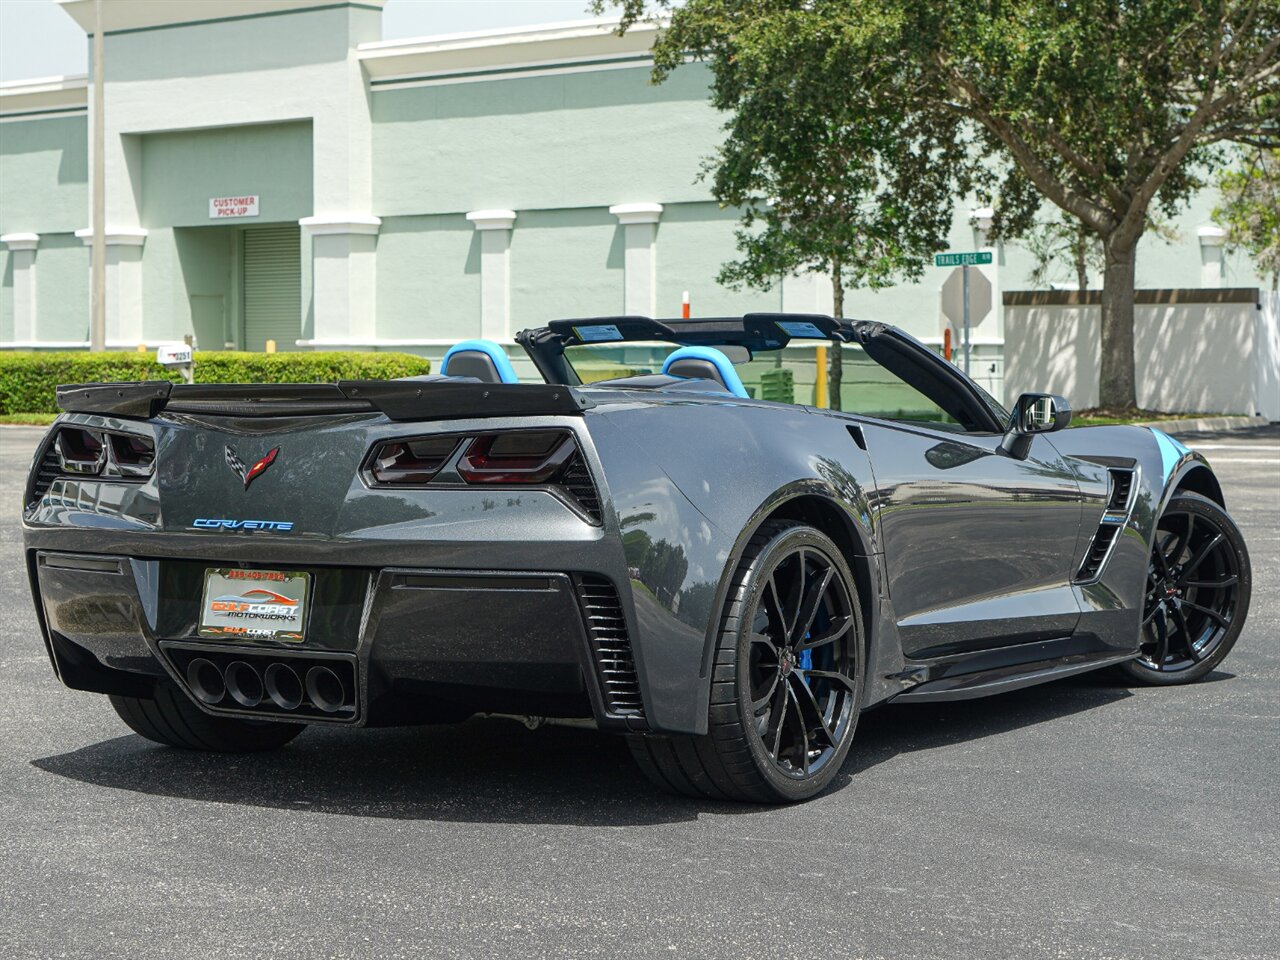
658	538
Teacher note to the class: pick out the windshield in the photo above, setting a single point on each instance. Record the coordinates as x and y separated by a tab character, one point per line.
785	377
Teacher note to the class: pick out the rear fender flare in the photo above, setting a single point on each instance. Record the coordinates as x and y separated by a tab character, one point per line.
861	538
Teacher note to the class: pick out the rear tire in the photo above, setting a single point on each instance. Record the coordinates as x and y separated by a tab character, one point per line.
1198	587
173	720
785	695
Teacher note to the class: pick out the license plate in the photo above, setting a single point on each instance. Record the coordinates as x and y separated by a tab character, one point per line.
254	604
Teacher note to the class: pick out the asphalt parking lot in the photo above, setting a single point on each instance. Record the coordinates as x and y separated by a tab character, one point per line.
1078	819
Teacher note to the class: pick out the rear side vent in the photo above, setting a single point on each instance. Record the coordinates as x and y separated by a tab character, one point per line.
48	469
610	647
578	484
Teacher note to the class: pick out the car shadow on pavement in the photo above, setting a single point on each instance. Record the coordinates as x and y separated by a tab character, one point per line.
904	728
497	771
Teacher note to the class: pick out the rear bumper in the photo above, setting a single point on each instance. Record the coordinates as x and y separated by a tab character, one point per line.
424	643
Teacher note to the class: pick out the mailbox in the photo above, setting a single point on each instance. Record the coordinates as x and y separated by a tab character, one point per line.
178	356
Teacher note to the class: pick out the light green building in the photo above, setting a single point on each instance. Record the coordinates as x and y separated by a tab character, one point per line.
274	171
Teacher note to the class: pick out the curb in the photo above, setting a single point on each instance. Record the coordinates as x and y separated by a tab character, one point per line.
1205	424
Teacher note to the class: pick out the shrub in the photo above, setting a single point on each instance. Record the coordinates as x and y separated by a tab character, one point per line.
28	380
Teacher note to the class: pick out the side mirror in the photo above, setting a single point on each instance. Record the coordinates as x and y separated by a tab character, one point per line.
1034	413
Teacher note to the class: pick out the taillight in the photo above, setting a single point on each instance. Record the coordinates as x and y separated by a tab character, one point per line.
134	456
413	461
525	456
545	458
81	451
84	452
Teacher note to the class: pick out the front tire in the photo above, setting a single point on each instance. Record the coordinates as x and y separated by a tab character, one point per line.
173	720
1198	587
787	678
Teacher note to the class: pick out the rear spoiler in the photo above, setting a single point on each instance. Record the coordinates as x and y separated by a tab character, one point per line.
423	399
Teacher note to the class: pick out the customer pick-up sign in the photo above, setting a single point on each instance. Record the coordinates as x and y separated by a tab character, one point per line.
224	208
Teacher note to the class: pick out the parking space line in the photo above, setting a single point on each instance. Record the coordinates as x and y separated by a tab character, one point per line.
1219	461
1248	447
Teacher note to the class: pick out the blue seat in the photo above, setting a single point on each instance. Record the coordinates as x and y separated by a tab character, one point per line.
481	360
705	363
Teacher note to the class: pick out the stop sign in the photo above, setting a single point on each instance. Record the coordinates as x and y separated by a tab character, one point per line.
953	296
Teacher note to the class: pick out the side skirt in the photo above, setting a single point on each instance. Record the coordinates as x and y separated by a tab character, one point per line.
985	683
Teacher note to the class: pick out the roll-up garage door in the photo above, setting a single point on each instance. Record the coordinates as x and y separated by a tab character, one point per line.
272	287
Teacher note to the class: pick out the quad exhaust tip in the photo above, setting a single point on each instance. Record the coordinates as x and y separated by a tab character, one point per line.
243	683
279	685
325	689
283	686
205	681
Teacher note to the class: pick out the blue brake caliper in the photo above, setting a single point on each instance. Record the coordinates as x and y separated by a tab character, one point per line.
806	660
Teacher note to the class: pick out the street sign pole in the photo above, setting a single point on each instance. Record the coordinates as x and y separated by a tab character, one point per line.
962	262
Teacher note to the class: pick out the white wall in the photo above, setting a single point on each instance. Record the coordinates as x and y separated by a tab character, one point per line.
1190	357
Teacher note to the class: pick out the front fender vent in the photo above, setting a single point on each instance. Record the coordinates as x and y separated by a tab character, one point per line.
1121	490
610	646
1121	493
1099	551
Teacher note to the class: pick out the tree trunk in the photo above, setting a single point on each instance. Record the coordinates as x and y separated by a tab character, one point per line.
835	369
1117	388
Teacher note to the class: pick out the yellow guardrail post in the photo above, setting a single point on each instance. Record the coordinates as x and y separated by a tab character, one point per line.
820	382
271	346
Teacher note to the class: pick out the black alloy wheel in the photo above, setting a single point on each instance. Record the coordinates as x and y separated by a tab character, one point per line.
1197	593
801	671
787	678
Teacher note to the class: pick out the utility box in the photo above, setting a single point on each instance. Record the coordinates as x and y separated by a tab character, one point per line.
778	384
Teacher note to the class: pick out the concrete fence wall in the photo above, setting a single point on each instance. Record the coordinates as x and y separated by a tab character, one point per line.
1196	350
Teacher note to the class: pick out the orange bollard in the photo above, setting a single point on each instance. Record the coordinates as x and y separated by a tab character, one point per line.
820	382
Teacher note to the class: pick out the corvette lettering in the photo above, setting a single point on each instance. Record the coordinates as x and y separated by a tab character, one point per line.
280	526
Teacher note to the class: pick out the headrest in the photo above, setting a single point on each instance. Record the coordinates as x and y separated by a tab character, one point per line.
482	359
705	363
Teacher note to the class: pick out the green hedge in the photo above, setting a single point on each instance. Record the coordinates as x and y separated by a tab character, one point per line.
28	380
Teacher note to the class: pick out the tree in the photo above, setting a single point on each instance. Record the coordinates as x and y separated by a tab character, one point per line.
864	200
823	186
1250	210
1056	241
1061	240
1110	111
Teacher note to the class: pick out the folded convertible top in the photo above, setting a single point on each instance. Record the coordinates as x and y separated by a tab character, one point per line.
421	399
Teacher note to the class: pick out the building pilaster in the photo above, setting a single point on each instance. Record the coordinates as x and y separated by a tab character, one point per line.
343	277
494	227
1212	247
124	281
639	222
22	257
